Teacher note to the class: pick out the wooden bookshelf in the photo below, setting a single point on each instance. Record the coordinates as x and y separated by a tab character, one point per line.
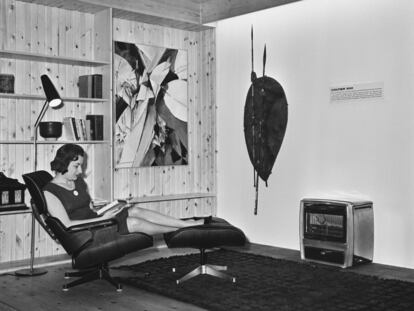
63	44
63	56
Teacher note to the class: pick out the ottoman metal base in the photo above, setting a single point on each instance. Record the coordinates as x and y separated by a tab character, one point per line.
215	233
204	268
207	269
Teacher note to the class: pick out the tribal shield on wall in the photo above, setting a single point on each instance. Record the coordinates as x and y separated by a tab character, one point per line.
265	122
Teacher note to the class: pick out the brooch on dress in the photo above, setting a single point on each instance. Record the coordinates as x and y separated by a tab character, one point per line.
75	193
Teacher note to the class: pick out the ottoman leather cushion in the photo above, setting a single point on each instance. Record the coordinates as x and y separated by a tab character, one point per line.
215	233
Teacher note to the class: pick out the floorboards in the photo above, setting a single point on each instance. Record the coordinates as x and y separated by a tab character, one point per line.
44	292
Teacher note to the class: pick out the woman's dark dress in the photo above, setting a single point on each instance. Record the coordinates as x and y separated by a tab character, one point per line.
77	203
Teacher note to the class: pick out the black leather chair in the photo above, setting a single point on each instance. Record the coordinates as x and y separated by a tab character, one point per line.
216	232
91	245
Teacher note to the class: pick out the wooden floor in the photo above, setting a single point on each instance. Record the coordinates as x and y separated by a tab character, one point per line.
44	292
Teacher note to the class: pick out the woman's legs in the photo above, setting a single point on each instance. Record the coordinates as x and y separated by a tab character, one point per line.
142	225
161	219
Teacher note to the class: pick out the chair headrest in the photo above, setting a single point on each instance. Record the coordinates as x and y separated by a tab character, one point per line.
35	182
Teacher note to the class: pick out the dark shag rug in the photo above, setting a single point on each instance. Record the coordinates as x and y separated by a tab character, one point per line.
265	283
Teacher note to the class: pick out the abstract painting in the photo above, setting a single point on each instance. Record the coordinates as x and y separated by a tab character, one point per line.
150	105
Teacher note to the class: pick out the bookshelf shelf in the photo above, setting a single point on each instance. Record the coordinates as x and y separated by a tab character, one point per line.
51	142
51	58
42	97
80	142
24	211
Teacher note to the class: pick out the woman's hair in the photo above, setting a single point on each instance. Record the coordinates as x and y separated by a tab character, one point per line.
66	154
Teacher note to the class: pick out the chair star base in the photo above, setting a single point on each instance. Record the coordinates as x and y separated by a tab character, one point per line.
212	270
100	273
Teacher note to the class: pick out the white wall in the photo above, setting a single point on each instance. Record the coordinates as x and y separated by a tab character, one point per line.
362	149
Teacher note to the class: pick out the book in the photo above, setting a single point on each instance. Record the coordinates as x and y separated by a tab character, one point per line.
99	203
90	86
7	83
83	126
75	128
79	128
96	127
68	128
97	86
85	86
116	205
88	129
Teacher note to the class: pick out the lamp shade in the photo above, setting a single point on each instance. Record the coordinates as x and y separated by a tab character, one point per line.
52	95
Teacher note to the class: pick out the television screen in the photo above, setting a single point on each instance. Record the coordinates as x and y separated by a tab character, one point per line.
325	224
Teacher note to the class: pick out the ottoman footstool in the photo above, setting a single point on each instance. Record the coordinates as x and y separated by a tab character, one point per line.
216	232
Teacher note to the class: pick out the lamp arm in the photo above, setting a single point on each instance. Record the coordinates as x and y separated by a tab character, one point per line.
36	125
41	115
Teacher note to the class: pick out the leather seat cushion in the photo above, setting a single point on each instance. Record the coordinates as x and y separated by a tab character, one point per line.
107	245
216	233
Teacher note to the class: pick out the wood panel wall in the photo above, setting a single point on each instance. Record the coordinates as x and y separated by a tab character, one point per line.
54	31
199	176
41	30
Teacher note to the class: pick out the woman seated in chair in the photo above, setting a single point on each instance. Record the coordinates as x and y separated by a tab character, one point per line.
68	200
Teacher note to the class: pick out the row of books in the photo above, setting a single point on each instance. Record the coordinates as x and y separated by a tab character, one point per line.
77	129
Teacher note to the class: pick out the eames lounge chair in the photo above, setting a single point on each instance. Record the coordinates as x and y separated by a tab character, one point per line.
91	245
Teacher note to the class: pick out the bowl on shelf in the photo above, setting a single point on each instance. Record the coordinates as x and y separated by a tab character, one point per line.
50	130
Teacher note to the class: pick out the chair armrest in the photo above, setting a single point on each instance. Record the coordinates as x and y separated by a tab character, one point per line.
82	234
93	225
72	241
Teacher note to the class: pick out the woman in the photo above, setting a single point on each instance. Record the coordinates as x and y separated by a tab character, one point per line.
68	200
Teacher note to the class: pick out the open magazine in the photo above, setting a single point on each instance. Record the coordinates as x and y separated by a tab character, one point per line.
115	206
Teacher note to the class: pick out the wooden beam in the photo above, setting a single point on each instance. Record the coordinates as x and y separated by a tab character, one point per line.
214	10
180	10
161	21
181	14
73	5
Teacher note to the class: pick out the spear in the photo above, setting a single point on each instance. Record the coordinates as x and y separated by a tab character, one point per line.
264	60
252	78
251	35
261	145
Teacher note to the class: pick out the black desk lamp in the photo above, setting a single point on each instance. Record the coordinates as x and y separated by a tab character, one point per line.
52	100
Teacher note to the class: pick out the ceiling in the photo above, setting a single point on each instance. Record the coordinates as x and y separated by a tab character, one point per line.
184	14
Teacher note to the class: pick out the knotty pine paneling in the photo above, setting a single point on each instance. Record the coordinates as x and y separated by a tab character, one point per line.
54	31
42	30
200	174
